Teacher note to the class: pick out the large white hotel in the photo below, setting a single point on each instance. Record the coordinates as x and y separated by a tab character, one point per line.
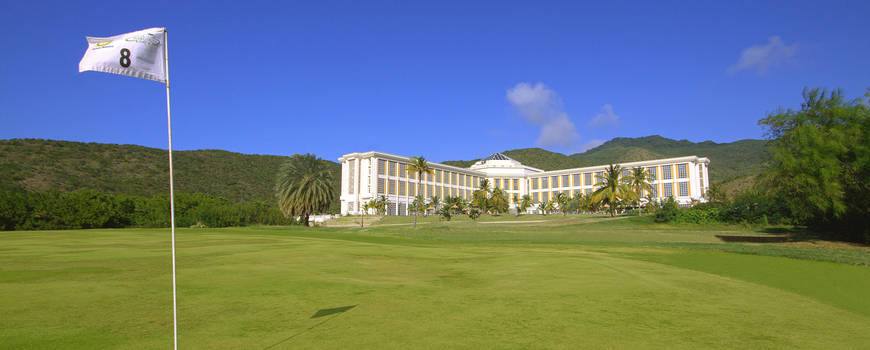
365	176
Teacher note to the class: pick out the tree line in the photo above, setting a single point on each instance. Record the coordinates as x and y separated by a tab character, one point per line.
55	210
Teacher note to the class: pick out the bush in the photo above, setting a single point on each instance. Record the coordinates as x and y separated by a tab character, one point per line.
666	210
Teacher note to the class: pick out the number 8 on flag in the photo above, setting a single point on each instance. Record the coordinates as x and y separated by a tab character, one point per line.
138	54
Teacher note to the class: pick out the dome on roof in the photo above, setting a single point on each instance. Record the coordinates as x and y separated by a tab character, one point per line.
497	156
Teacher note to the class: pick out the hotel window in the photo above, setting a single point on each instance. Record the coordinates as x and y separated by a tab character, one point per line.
544	183
652	173
684	189
654	191
455	178
467	180
440	192
428	177
392	187
565	181
555	181
625	173
576	179
403	170
412	189
430	190
381	185
382	167
598	176
535	197
461	180
352	171
587	179
402	188
682	172
392	169
668	189
516	184
438	176
666	172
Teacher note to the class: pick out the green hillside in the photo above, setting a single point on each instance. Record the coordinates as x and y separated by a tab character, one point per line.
41	165
728	161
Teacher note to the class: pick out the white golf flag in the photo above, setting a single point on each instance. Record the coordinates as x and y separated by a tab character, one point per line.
138	54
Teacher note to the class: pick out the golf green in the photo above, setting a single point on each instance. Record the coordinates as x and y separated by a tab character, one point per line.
559	282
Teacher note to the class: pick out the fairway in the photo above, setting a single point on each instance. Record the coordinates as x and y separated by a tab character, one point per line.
533	282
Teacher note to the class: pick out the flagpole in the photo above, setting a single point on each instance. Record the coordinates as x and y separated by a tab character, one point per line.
171	189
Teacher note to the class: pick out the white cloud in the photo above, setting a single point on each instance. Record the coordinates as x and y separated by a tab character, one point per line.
605	118
541	106
764	57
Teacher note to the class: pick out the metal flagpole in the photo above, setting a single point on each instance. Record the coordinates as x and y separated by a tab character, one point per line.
171	190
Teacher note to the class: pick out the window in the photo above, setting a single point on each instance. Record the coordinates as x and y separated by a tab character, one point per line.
352	172
381	184
554	180
654	191
544	183
438	176
684	189
430	190
535	183
402	188
392	187
667	174
402	209
412	189
429	176
403	170
516	184
382	166
461	180
625	173
576	179
652	173
454	178
565	182
668	189
495	183
587	179
682	172
535	197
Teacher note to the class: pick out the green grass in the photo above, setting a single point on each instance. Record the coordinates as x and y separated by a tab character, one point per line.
566	282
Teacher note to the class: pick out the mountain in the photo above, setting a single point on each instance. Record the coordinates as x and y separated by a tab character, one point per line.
41	165
728	161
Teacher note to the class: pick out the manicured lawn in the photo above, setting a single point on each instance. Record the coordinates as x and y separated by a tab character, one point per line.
502	282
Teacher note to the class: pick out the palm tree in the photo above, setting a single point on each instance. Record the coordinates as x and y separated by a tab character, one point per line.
481	196
304	186
549	207
434	202
562	200
612	189
524	203
418	205
498	201
419	165
639	180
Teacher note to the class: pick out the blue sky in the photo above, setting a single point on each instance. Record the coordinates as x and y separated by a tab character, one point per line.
444	80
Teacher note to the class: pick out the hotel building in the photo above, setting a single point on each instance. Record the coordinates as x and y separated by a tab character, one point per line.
368	175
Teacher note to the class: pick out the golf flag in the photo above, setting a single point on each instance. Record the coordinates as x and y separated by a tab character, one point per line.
138	54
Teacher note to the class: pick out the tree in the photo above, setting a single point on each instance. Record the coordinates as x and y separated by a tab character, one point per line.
716	194
434	203
612	189
498	201
420	166
304	186
418	206
480	198
562	200
548	207
524	203
819	163
639	181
